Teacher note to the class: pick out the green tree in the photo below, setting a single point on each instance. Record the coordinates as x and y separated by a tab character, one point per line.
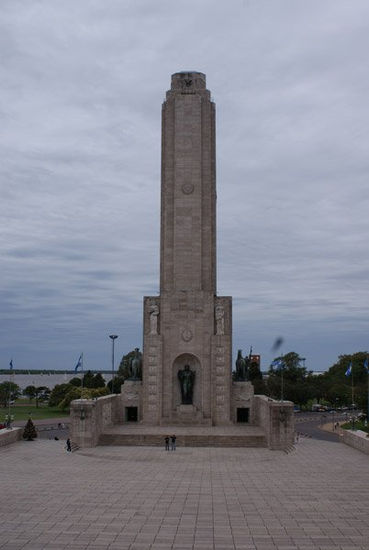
117	383
297	383
124	369
29	431
8	391
75	382
91	380
88	379
58	393
79	393
256	378
338	386
42	394
98	381
30	391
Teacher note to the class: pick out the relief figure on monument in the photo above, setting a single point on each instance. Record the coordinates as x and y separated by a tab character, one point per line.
186	379
219	319
154	314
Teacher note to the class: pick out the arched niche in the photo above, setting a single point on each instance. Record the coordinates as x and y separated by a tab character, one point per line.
178	364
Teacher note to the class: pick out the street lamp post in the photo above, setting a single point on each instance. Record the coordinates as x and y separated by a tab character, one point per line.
113	338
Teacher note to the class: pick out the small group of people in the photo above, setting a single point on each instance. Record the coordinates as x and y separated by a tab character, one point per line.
172	440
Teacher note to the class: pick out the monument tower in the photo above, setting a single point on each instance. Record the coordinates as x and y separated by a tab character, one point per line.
187	328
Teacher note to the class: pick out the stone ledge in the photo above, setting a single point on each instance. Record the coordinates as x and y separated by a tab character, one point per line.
7	437
357	439
188	440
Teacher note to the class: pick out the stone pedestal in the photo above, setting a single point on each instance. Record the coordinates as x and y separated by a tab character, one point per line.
243	398
131	396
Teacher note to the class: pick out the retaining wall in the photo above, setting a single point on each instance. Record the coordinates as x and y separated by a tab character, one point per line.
357	439
89	417
277	420
7	437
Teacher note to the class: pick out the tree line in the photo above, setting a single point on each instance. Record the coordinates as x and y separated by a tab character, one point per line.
333	387
301	386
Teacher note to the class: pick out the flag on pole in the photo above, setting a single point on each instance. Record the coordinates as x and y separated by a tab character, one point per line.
79	364
349	370
278	363
11	364
366	365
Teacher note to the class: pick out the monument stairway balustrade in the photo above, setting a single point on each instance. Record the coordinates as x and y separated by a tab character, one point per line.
187	436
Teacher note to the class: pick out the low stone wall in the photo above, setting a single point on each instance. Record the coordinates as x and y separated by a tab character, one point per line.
357	439
277	420
10	436
89	417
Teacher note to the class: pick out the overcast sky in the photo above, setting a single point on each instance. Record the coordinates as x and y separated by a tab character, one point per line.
81	88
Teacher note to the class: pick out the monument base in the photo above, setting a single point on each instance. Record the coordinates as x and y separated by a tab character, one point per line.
100	422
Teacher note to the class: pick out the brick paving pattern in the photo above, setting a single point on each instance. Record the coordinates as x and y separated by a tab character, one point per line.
144	498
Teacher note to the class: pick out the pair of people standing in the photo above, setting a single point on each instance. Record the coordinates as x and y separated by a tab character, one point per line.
172	440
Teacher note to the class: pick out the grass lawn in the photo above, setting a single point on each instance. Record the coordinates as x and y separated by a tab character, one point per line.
22	412
359	425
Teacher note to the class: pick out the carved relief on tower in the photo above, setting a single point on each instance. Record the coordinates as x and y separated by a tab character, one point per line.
187	188
222	316
219	319
186	334
152	315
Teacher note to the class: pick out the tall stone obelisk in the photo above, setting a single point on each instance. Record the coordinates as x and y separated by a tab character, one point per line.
188	325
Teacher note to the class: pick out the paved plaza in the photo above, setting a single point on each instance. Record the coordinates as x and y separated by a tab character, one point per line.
145	498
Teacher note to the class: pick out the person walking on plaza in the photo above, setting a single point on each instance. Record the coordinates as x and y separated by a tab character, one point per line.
173	442
69	446
167	443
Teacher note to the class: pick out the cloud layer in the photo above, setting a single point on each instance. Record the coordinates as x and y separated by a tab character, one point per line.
82	87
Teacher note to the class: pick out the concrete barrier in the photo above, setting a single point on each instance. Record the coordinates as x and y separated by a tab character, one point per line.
7	437
357	439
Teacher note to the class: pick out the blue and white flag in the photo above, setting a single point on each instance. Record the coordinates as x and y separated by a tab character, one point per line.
11	364
278	363
79	364
349	370
366	365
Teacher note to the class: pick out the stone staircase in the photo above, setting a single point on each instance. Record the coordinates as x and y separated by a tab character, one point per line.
187	436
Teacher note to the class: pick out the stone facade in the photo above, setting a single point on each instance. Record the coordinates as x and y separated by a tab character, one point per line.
188	324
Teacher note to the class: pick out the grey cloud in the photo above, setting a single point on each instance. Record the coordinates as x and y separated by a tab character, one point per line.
80	99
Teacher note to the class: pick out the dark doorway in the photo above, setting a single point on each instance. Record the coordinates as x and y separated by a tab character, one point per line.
131	414
242	415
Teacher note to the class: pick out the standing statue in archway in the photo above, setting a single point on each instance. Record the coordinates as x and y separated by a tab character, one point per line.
186	379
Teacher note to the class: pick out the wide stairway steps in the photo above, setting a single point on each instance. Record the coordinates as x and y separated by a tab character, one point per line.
212	436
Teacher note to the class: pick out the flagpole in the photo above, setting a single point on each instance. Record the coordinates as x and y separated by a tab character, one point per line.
352	396
10	381
82	374
367	416
8	424
282	380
